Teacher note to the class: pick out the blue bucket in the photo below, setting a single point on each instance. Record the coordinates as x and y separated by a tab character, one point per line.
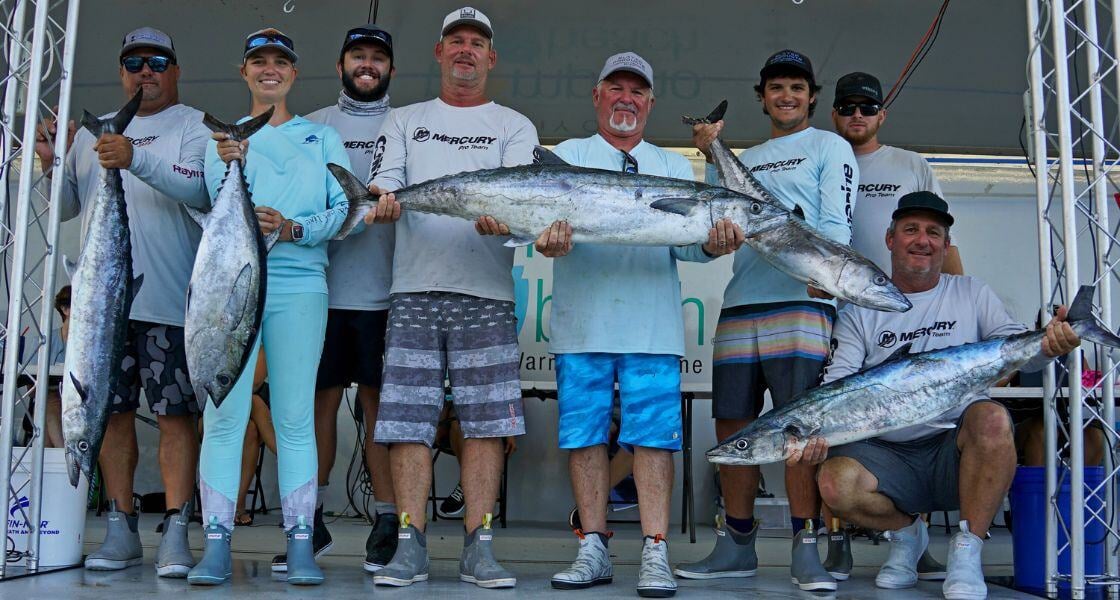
1028	526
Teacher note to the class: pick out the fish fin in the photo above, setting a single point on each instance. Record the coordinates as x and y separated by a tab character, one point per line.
544	156
238	298
902	352
680	206
70	266
1085	323
361	201
197	215
134	290
189	296
797	212
271	239
242	131
715	115
116	123
83	393
942	424
517	242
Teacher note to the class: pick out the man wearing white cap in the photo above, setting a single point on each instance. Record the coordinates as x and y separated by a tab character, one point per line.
616	316
451	308
160	156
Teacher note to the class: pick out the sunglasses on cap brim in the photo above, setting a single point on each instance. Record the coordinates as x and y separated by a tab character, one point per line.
158	64
265	39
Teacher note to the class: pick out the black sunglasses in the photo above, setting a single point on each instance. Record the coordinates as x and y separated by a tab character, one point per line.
361	33
135	64
629	163
269	38
865	109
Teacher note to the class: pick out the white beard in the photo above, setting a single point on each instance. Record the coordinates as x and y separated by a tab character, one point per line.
623	122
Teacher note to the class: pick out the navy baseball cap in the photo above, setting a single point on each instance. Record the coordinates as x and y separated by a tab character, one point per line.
785	60
371	34
858	84
923	201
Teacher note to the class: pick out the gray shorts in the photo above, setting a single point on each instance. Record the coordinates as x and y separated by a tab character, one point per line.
155	359
919	476
470	340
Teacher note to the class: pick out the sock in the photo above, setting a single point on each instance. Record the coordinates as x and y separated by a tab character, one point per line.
739	525
799	523
171	512
385	508
602	537
320	492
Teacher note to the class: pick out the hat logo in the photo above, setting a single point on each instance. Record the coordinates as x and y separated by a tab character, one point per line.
467	13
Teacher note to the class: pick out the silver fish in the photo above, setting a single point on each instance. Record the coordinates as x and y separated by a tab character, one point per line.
103	289
904	390
603	207
225	298
800	251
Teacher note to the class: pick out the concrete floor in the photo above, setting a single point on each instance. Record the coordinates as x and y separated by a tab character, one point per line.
520	547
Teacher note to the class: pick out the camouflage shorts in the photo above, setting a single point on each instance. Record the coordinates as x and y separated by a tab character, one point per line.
155	359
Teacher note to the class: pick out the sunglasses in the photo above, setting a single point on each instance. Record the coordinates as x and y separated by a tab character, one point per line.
362	33
629	163
265	39
135	64
865	109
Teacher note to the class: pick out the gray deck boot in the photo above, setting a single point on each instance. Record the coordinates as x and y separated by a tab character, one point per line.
174	558
121	548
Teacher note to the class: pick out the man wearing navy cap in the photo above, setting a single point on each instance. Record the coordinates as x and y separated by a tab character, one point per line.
773	332
884	482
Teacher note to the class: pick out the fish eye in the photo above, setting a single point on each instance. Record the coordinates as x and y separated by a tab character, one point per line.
742	444
224	379
83	445
880	280
756	208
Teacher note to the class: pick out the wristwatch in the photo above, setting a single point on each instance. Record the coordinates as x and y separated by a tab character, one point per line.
297	231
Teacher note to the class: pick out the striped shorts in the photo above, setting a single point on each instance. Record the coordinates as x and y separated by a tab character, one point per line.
469	340
780	347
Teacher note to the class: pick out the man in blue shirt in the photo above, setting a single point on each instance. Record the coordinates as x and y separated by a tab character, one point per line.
616	315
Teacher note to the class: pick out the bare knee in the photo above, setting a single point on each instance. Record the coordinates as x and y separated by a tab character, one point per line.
840	480
987	426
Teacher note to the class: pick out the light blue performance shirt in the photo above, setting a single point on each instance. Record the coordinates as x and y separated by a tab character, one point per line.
286	168
620	299
813	169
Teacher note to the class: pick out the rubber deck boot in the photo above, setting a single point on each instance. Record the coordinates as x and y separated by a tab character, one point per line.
592	565
216	565
965	580
410	561
121	548
838	561
805	566
174	558
929	569
907	546
477	564
322	542
733	556
381	543
655	580
302	569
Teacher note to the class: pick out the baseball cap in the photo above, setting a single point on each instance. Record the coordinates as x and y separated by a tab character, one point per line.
148	37
858	84
629	62
787	59
270	38
370	33
467	16
923	201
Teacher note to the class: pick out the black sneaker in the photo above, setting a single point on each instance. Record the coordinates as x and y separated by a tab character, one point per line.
452	506
382	542
321	543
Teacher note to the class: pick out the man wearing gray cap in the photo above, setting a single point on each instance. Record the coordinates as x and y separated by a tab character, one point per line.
616	316
161	159
451	308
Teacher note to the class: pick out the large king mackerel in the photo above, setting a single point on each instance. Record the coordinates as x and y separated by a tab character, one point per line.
103	289
225	299
904	390
800	251
603	207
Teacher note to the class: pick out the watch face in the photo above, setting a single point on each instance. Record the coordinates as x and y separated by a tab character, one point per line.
297	231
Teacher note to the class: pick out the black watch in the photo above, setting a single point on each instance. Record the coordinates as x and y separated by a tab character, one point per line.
297	231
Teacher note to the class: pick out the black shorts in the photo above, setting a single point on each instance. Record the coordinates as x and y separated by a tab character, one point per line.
155	359
353	348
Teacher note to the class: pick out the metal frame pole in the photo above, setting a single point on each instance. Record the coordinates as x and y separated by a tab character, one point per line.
11	95
1042	195
19	251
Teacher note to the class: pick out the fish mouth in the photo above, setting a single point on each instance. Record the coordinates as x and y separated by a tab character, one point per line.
73	469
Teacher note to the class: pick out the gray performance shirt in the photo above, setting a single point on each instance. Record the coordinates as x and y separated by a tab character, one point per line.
360	271
885	175
168	151
437	253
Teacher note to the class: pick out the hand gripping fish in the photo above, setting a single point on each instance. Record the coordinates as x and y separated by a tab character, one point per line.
103	289
798	250
904	390
225	299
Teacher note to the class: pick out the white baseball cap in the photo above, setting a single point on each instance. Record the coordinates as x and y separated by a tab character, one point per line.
629	62
467	16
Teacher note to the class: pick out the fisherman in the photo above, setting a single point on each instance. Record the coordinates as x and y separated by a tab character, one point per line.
616	315
451	311
963	462
286	170
358	277
773	333
160	157
886	173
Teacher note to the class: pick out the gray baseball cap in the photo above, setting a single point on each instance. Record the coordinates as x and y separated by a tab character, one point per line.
629	62
148	37
467	16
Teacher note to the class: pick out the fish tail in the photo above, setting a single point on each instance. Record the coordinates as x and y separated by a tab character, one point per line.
1085	323
116	123
361	201
715	115
242	131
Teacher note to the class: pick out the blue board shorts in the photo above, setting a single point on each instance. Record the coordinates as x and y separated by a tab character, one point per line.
649	388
